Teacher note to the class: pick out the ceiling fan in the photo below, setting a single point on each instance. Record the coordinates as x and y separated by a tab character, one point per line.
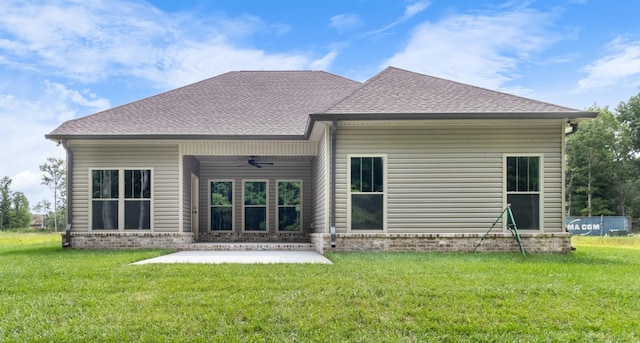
253	161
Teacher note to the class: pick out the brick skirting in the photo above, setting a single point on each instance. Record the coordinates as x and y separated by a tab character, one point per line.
252	237
129	240
494	242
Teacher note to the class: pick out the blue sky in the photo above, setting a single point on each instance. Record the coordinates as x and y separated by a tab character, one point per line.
60	59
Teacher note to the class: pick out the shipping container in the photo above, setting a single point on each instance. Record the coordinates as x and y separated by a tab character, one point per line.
599	226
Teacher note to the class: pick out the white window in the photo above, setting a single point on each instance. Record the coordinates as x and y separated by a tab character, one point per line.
255	205
221	205
367	191
289	215
523	183
121	199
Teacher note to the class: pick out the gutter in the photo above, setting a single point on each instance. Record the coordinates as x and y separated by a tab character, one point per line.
69	214
334	131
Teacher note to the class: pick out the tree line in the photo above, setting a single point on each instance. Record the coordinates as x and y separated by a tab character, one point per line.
603	163
15	212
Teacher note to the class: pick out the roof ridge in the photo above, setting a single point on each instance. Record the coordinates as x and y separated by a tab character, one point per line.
362	85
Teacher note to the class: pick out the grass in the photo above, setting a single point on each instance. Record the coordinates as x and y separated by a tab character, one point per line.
50	294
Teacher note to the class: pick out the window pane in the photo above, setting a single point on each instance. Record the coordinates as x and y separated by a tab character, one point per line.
104	214
534	174
526	210
255	193
221	218
221	193
511	174
378	185
356	185
137	215
137	184
288	219
104	184
255	218
367	211
367	174
523	174
289	193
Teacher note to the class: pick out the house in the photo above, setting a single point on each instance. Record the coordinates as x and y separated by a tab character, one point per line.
403	161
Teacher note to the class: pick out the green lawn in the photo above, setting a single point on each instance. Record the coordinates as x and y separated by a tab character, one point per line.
49	294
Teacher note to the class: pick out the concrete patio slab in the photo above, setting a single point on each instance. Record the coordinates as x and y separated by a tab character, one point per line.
217	257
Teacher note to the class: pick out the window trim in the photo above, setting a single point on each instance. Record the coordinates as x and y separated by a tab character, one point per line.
233	204
385	192
540	192
244	181
277	204
122	200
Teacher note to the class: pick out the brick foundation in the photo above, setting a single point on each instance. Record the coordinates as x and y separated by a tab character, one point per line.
129	240
252	237
495	242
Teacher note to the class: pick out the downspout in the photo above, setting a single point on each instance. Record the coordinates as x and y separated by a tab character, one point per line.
69	214
334	129
574	129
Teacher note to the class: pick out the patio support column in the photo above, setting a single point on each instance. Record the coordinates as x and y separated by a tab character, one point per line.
69	209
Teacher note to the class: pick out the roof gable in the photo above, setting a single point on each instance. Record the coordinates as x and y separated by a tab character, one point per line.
400	91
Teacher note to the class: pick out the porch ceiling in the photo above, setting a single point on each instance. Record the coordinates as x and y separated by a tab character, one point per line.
240	159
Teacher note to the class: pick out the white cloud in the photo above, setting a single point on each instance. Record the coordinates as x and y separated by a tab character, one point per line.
29	182
23	124
345	22
91	41
483	49
621	62
413	9
324	62
183	64
409	12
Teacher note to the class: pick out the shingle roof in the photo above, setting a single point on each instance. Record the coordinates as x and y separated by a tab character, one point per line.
399	91
261	103
280	103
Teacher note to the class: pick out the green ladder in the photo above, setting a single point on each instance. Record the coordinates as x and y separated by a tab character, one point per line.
511	225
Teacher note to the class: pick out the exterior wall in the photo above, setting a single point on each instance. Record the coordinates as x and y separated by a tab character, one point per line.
321	170
494	242
190	165
161	158
447	177
232	171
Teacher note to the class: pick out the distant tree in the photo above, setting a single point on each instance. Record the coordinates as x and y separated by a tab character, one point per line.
20	214
599	166
54	177
629	114
43	207
5	202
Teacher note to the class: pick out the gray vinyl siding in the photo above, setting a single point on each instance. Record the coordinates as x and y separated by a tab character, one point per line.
449	179
162	159
190	165
278	172
320	179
